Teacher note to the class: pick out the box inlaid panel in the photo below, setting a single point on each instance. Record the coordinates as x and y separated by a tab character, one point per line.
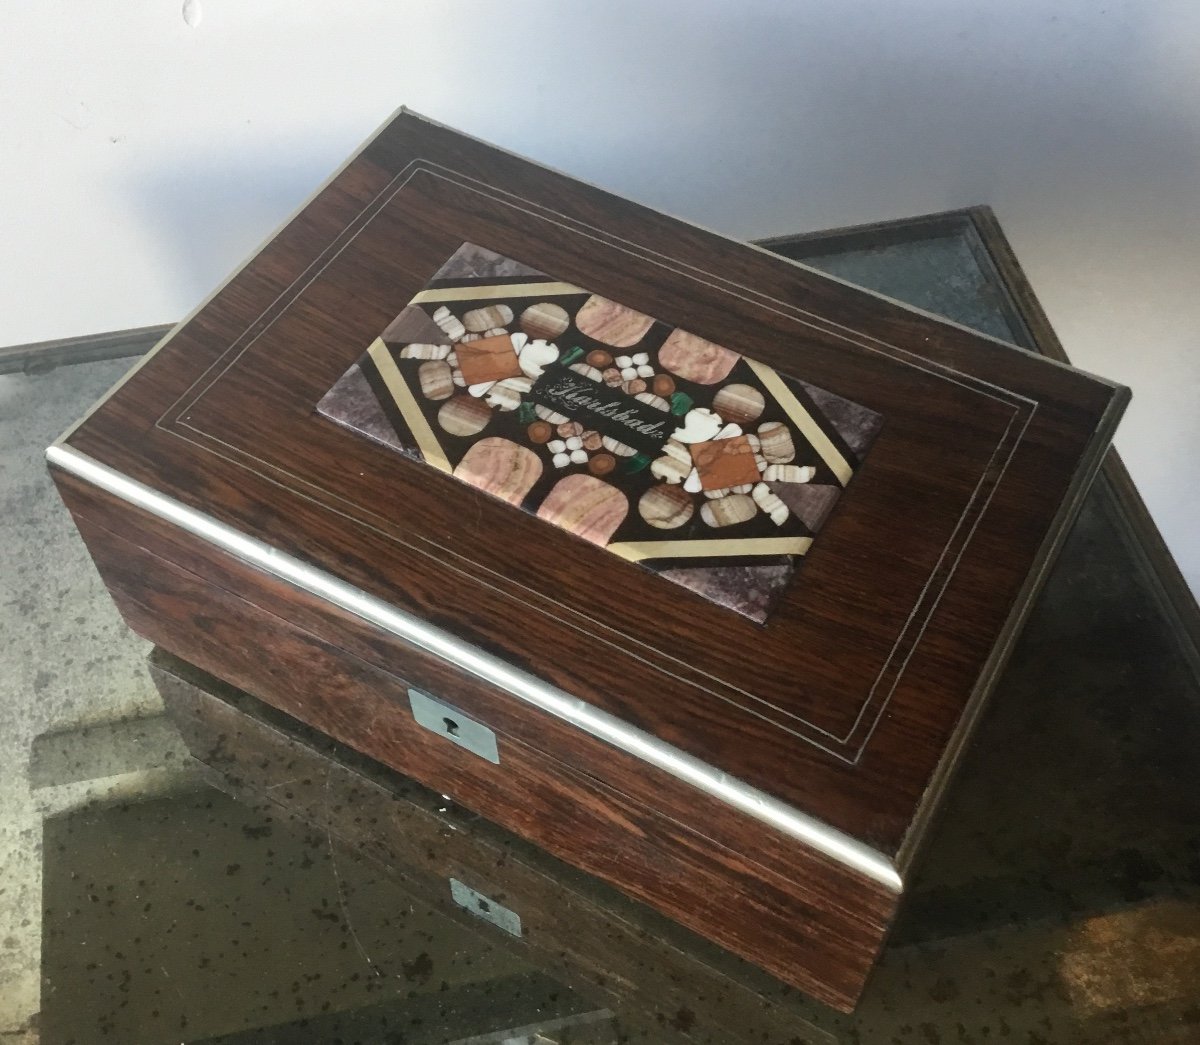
705	466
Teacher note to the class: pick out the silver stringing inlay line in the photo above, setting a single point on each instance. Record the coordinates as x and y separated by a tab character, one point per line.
833	843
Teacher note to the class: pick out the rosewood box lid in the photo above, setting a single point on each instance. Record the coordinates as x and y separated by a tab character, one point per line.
763	531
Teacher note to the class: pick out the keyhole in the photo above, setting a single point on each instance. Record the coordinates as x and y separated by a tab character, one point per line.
451	726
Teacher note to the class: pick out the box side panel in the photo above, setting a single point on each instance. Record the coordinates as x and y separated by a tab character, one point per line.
819	928
437	666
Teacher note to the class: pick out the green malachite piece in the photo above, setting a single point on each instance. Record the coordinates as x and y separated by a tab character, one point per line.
681	403
636	463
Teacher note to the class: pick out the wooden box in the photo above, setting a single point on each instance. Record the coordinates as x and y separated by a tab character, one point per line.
679	559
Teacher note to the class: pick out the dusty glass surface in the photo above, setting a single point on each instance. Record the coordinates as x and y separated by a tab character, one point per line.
1059	901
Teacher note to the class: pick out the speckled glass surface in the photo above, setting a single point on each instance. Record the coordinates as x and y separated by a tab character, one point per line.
701	464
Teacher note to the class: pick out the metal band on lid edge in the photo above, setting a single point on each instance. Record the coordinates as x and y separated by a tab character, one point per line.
835	844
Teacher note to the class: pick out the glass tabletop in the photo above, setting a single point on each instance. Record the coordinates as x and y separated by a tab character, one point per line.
1058	901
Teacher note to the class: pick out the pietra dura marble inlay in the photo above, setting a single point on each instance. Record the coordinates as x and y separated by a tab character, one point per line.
701	464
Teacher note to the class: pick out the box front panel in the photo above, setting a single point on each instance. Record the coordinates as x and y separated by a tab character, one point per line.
777	911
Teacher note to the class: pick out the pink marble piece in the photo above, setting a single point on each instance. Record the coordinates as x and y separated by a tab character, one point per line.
610	323
694	359
586	506
500	467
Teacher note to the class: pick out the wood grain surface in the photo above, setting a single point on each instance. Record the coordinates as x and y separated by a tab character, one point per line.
799	917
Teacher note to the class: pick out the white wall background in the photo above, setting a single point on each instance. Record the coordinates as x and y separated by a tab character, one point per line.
144	157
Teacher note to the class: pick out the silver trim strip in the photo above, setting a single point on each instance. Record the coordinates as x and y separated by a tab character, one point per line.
835	844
